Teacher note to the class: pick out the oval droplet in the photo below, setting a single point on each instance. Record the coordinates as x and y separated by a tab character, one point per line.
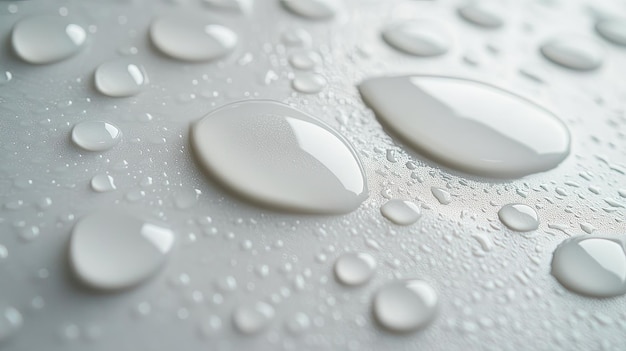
11	322
276	155
419	38
401	212
355	268
467	125
251	319
405	306
304	60
46	39
311	9
96	135
308	83
191	38
120	78
613	30
519	217
591	265
230	5
580	54
113	250
481	14
102	183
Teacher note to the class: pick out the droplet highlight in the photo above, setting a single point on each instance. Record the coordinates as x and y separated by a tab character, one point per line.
418	38
519	217
96	135
401	212
355	269
581	54
405	306
120	78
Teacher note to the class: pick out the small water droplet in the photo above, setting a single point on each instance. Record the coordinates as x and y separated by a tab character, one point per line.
120	78
481	14
591	265
251	319
276	155
46	39
581	54
192	38
519	217
305	60
296	37
11	322
471	126
613	30
113	250
308	83
230	5
5	77
355	268
419	38
298	323
311	9
96	135
441	195
102	183
401	212
405	306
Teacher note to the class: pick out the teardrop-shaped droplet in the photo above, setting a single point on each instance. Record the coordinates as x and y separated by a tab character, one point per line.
401	212
251	319
281	157
467	125
613	30
46	39
419	38
580	54
355	268
191	38
481	14
114	250
519	217
405	306
120	78
591	265
96	135
311	9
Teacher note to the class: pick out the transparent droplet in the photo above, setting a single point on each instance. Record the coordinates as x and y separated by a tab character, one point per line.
442	195
96	135
102	183
46	39
418	37
304	60
471	126
11	322
580	54
311	9
613	30
113	250
591	265
251	319
308	83
519	217
192	38
355	268
481	14
276	155
120	78
5	77
401	212
405	306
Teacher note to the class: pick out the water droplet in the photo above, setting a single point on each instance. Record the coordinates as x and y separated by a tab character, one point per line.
47	39
276	155
296	37
308	83
304	60
591	265
581	54
311	9
230	5
5	77
355	268
10	322
441	195
467	125
192	38
419	38
298	323
102	183
481	14
251	319
405	306
519	217
401	212
96	135
613	30
113	250
120	78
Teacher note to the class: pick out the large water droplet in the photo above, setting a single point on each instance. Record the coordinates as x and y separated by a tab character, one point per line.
120	78
96	135
10	322
113	250
191	38
311	9
47	39
467	125
405	306
591	265
251	319
580	54
419	38
278	156
519	217
355	268
401	212
481	14
613	30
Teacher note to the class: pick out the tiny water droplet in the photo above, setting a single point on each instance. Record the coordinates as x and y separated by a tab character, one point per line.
613	30
405	306
102	183
308	83
114	250
311	9
251	319
355	268
591	265
580	54
481	14
96	135
401	212
120	78
519	217
419	38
